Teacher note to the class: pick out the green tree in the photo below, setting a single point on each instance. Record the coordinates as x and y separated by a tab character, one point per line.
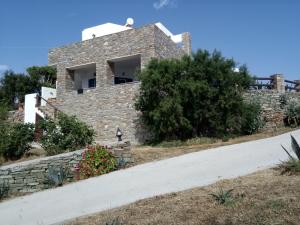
42	76
17	85
193	96
14	85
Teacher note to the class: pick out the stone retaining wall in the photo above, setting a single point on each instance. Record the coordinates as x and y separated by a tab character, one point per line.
274	105
32	176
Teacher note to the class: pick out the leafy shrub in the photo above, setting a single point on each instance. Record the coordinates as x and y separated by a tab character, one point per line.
292	114
195	96
251	118
3	139
292	166
283	99
96	160
66	133
3	111
3	129
15	139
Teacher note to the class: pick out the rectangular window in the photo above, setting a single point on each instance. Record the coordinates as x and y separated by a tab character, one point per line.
124	69
92	83
122	80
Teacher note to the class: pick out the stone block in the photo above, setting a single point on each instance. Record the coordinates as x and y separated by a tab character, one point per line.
19	181
29	180
33	184
6	177
3	172
37	171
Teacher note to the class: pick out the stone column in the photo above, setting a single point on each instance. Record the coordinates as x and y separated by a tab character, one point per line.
65	81
186	41
108	78
278	81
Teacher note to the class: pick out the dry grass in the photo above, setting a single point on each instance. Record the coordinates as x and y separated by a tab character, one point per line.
263	198
143	154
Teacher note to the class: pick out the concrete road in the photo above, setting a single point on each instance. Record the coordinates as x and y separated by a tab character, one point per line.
144	181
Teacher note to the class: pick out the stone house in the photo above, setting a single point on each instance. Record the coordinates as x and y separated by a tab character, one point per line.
96	77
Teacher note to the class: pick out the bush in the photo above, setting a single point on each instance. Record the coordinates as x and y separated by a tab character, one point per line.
15	139
66	133
251	118
96	160
195	96
283	99
292	114
3	111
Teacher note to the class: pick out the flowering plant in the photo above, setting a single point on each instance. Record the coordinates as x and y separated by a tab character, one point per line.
96	160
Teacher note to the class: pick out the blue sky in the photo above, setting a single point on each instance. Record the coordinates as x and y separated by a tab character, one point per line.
263	34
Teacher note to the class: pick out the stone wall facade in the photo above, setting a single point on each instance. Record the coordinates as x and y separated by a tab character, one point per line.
32	176
105	110
16	116
274	105
110	106
148	42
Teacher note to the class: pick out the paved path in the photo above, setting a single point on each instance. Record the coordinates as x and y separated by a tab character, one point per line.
143	181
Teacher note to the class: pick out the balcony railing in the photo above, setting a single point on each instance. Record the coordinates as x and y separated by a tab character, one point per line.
275	82
291	85
261	83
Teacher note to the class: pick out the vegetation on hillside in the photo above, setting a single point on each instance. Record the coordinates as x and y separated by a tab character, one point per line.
292	114
15	138
199	95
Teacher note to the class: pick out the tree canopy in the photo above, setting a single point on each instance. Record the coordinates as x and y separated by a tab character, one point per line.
42	75
194	96
17	85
